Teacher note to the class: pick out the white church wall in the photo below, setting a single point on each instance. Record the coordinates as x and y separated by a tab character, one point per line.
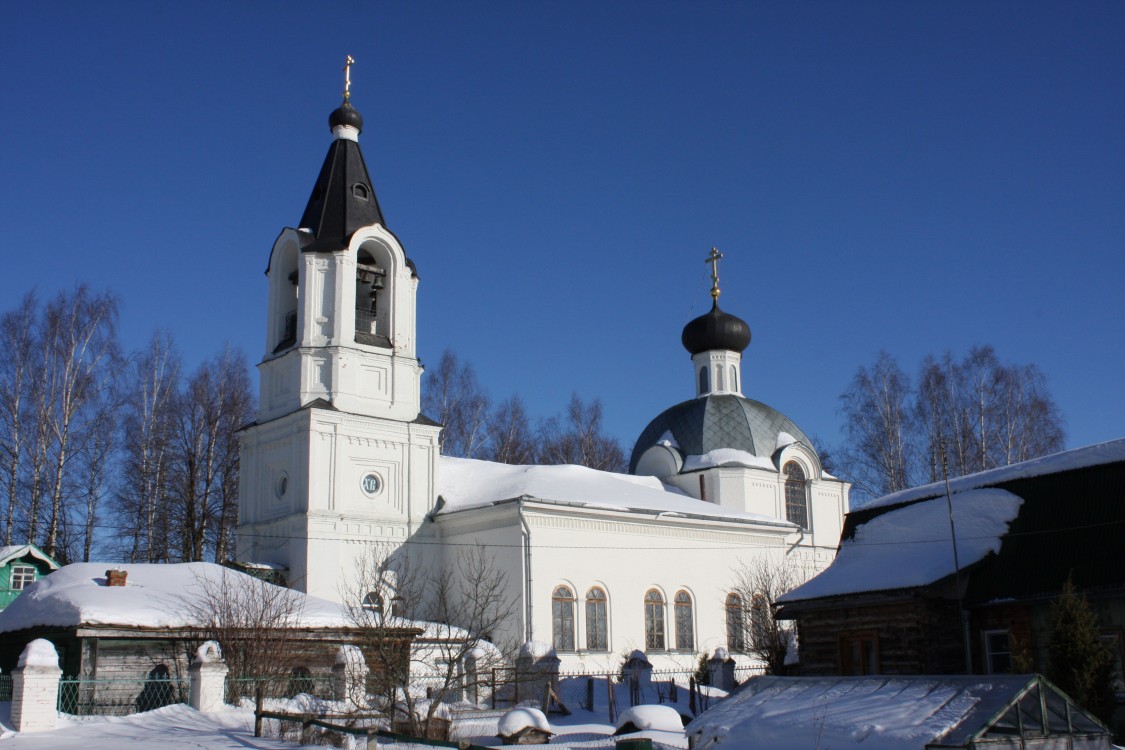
625	556
498	533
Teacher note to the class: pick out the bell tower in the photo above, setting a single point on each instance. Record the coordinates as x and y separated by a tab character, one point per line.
339	455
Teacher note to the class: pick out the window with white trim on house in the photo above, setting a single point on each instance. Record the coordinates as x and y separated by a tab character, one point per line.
562	619
22	577
997	652
597	620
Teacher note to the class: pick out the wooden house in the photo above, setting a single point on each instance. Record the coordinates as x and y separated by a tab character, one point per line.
897	601
143	623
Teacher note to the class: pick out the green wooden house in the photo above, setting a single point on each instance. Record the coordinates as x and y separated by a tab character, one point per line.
20	566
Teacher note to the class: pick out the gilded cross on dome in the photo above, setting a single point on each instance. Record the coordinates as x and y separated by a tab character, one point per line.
714	259
348	77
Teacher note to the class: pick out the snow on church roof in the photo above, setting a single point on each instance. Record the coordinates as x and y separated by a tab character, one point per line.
155	596
466	483
912	546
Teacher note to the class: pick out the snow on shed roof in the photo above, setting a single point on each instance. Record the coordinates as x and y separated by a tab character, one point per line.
469	483
912	546
155	596
1091	455
878	712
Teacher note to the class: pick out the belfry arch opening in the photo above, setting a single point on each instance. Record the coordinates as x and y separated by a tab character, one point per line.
373	296
284	289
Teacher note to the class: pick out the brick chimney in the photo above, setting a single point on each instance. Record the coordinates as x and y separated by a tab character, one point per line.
115	577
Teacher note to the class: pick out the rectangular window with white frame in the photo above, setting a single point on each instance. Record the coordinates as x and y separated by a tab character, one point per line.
997	652
22	577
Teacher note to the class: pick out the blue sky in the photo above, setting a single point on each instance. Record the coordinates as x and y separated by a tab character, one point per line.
912	177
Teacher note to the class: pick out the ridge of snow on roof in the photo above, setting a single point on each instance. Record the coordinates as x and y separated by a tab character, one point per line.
466	483
912	546
155	596
1078	458
9	551
875	713
728	457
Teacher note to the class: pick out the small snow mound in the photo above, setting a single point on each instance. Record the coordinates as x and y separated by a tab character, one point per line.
721	653
39	653
209	652
350	657
668	440
303	703
651	718
537	650
484	650
784	439
522	718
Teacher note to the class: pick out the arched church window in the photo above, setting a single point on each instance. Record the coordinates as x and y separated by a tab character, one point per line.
654	621
796	495
760	621
733	378
704	380
373	603
685	641
597	620
359	190
736	641
562	619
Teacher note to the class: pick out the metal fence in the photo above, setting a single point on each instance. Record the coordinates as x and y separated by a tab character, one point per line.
280	686
120	697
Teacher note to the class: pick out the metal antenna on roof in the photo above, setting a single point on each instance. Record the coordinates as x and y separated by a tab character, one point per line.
956	562
714	259
348	63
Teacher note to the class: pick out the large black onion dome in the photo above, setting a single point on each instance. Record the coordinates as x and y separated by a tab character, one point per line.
345	114
716	330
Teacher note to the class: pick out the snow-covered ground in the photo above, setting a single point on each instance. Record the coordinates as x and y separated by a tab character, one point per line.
182	728
170	728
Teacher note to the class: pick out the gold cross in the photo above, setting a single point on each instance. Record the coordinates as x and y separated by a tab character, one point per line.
713	259
348	77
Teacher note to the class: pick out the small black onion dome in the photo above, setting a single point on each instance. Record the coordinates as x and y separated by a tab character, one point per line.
716	330
345	114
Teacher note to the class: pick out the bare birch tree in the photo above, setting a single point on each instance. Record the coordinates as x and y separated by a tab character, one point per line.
759	584
878	451
80	341
16	341
576	437
142	494
981	412
452	396
510	439
214	404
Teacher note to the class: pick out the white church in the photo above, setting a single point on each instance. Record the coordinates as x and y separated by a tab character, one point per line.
340	460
